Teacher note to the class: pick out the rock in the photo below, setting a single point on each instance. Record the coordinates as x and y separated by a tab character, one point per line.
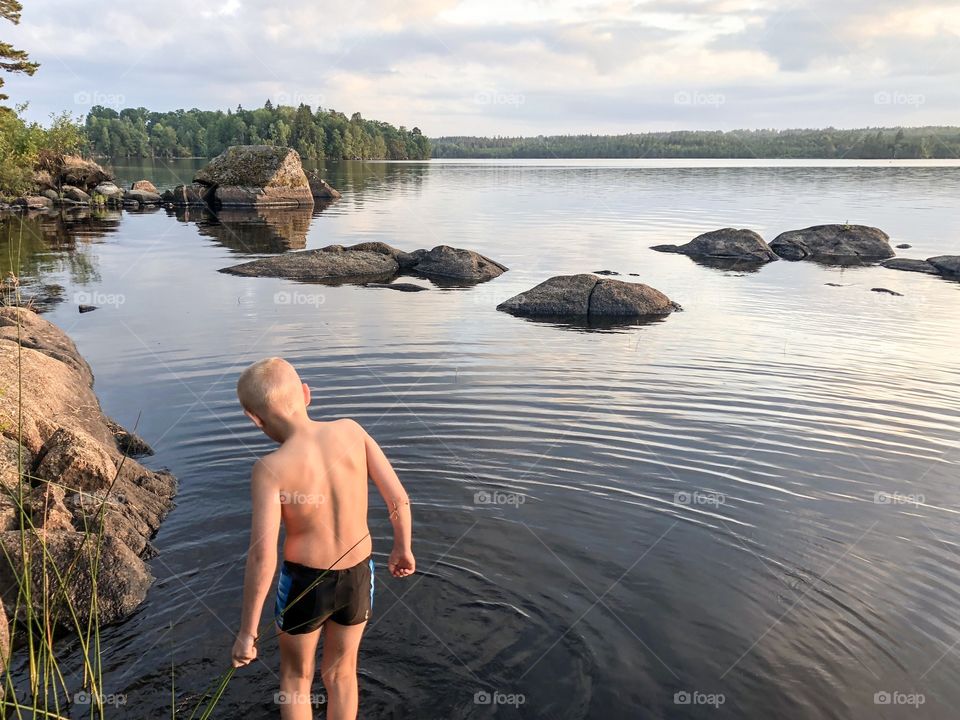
49	404
372	262
402	287
605	272
109	190
33	202
51	195
87	308
4	641
75	460
834	285
145	185
320	188
589	296
141	197
128	442
448	262
885	290
333	261
45	507
910	265
725	244
74	170
947	265
82	562
834	243
190	195
245	175
904	246
13	458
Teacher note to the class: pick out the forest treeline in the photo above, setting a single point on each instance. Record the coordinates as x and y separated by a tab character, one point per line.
323	134
870	143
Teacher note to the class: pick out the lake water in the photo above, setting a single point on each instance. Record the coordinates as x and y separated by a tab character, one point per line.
754	501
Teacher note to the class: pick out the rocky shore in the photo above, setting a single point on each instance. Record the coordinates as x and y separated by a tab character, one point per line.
66	472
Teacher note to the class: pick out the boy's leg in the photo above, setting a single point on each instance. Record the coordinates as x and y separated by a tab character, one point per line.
297	665
341	643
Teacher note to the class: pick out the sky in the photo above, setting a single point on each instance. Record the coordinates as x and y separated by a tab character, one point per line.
507	67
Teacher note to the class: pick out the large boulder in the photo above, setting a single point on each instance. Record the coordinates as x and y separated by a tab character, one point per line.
109	191
320	188
589	296
141	197
85	564
834	243
72	456
725	244
947	265
458	264
245	175
75	194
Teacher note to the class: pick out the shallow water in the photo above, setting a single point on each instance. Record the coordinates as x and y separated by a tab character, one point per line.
688	506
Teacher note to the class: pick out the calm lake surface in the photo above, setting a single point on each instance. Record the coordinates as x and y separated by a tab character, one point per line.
754	501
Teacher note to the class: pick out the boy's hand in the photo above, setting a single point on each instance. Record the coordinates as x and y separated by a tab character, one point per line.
244	650
401	563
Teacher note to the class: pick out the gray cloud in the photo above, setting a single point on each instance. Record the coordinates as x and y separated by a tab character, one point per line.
601	69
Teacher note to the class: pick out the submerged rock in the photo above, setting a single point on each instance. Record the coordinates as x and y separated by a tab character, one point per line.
904	246
247	175
33	202
401	287
373	261
587	295
887	291
725	244
450	262
834	243
948	265
910	265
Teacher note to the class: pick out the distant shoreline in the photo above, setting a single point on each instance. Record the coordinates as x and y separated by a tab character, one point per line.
895	143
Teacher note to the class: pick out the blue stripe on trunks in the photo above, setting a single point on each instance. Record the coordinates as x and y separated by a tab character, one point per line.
283	591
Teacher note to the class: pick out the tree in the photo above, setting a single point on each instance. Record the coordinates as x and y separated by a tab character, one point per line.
11	59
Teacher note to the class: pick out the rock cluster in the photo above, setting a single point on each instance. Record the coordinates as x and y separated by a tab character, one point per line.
64	470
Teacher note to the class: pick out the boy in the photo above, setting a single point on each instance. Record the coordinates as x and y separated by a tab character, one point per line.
316	484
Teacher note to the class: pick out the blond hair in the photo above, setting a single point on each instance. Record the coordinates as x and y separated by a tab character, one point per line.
270	386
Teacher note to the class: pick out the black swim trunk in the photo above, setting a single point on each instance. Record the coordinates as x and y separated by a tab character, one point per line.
308	597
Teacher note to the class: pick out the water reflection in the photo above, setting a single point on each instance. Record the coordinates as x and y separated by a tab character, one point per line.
254	230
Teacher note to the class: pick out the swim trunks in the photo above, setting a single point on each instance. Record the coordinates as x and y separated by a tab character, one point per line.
307	597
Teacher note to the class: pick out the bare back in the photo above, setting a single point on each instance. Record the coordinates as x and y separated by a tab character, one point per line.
321	476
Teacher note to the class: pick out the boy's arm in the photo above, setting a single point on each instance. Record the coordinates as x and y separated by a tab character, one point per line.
261	561
401	562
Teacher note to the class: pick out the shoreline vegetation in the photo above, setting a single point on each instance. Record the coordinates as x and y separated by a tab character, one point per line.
893	143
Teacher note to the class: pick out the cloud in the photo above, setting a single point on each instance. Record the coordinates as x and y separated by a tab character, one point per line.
509	66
